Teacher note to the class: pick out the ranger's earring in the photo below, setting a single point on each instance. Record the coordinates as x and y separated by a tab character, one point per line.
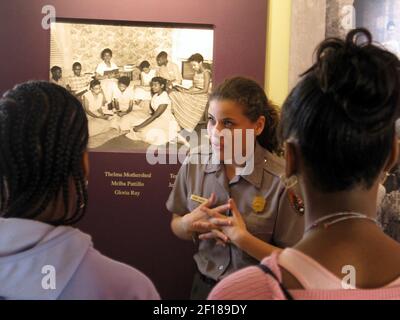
289	182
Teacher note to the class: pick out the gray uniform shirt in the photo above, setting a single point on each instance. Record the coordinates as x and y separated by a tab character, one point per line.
275	211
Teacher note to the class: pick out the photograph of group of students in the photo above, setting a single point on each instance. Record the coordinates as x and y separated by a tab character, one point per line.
154	101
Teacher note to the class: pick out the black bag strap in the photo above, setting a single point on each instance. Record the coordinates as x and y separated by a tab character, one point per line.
267	270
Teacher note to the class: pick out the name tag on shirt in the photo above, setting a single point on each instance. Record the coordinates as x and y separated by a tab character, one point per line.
198	199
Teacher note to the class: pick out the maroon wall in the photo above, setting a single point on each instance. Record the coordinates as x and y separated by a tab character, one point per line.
136	232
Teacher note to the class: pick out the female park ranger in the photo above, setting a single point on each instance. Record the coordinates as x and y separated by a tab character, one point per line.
237	216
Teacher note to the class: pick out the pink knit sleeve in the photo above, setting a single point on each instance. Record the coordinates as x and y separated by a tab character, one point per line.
250	283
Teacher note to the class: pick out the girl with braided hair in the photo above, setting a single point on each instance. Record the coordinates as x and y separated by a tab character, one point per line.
43	190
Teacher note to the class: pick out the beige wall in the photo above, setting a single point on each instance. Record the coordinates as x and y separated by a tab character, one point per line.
336	18
307	30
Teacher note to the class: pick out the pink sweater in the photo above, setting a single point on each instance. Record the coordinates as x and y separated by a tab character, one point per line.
252	283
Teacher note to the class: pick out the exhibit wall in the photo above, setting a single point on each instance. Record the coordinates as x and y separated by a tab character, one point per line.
126	216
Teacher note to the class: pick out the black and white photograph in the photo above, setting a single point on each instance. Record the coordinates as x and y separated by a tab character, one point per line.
140	85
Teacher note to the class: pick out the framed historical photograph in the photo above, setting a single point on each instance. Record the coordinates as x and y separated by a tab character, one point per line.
140	84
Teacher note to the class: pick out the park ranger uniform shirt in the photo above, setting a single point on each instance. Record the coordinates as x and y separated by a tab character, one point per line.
260	197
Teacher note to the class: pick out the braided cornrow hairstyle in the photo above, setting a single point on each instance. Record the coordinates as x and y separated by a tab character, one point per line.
43	136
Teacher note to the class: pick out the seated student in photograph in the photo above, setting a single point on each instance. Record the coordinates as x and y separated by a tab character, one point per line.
168	70
78	84
123	100
189	105
95	104
56	76
338	125
107	72
146	74
161	127
43	192
143	92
